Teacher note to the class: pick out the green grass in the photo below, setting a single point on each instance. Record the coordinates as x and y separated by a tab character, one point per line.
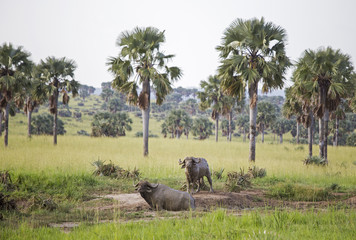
278	224
64	173
74	155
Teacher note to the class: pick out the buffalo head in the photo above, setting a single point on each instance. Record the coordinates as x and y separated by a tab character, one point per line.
144	186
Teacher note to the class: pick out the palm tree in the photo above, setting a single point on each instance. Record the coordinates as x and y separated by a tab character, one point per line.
14	63
266	115
327	72
281	126
202	128
212	96
252	51
56	76
140	61
292	107
177	123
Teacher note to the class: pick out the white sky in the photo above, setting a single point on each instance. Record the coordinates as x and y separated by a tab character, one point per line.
86	30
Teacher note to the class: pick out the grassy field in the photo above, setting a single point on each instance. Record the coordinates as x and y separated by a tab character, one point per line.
64	173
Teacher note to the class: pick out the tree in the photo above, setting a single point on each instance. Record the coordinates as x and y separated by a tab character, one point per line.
327	73
243	124
111	124
292	107
31	98
281	126
42	124
85	91
141	61
202	128
106	94
115	105
227	128
252	51
177	123
14	64
266	115
57	76
213	97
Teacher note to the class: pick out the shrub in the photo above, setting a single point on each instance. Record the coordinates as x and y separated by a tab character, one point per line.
43	125
237	181
257	172
64	113
83	133
351	140
316	160
218	174
111	124
140	134
114	171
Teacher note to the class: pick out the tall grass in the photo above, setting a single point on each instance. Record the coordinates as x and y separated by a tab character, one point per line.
329	224
74	155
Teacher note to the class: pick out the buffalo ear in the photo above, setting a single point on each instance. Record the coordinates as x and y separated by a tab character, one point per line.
182	163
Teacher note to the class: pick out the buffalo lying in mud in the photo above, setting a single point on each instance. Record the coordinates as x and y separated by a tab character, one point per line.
195	170
160	196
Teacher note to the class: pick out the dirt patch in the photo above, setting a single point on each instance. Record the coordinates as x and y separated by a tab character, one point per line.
135	208
205	200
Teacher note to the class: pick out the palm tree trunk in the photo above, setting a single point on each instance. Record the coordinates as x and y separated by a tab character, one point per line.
281	138
297	132
336	132
217	127
244	139
1	122
262	133
29	115
146	116
253	116
55	118
321	138
326	132
230	127
6	135
310	134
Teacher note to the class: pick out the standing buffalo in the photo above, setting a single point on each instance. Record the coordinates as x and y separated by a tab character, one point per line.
159	197
195	170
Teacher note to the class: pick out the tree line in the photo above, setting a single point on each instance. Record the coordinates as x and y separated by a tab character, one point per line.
252	56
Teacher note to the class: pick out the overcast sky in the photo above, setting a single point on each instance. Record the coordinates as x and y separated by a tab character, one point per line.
86	30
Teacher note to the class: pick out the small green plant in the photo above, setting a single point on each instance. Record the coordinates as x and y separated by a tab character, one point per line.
257	172
218	174
237	181
315	160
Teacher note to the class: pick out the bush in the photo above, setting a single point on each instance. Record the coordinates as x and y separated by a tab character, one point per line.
351	140
83	133
43	125
316	160
111	124
114	171
257	172
218	174
150	135
236	182
64	113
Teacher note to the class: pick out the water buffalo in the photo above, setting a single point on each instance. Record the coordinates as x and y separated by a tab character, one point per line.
160	196
195	170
